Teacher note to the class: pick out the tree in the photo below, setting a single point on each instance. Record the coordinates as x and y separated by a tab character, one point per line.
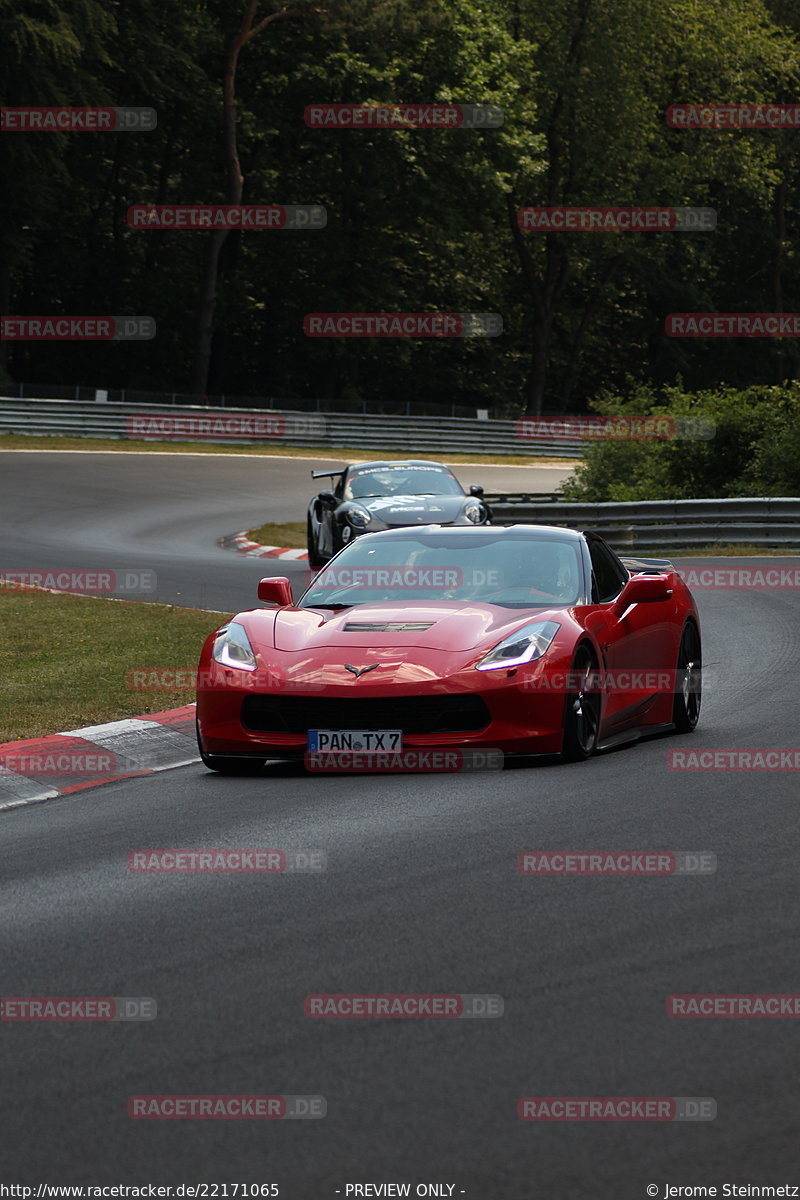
249	28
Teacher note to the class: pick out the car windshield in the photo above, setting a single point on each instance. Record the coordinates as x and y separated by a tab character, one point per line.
401	481
511	571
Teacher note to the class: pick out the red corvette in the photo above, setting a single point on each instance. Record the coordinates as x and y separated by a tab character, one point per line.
525	639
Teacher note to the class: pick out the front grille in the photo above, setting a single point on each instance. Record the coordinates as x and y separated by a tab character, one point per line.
411	714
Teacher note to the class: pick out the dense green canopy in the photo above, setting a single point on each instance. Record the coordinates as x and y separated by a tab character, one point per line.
417	219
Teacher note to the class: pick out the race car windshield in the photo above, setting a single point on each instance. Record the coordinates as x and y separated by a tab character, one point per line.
512	572
401	481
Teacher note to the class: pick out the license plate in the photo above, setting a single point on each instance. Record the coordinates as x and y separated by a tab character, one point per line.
360	740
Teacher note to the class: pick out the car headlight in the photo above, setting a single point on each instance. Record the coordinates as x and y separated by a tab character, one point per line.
359	516
474	512
232	648
523	646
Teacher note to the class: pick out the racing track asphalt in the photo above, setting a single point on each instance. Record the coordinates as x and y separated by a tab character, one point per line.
162	513
421	895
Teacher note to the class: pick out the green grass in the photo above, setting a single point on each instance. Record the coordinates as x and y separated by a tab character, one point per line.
290	534
64	660
22	441
732	550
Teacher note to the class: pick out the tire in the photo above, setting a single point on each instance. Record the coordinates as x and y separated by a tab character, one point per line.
314	559
228	764
581	711
688	682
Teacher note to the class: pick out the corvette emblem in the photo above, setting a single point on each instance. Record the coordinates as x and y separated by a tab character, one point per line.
359	670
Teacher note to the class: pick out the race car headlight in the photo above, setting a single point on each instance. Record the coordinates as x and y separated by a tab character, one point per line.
523	646
359	517
232	648
474	512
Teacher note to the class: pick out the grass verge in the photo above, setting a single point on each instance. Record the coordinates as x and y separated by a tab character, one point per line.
65	659
732	550
343	454
290	534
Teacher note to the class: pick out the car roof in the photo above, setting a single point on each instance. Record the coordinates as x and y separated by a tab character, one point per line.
532	532
398	462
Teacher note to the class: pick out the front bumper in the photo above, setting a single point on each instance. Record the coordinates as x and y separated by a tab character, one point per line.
523	714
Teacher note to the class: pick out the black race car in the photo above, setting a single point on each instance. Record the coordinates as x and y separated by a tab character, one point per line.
382	495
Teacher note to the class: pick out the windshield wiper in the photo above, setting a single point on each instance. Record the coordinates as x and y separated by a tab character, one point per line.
335	607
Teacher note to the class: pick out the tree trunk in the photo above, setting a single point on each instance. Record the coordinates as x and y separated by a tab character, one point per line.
587	316
784	356
545	294
235	186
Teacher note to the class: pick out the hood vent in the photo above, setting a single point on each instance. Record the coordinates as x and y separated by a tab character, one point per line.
386	626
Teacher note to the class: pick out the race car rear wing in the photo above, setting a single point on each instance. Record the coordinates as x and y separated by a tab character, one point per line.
327	474
647	565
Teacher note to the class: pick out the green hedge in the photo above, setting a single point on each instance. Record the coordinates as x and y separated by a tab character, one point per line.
755	450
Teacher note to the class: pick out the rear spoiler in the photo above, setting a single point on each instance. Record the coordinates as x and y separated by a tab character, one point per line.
327	474
647	565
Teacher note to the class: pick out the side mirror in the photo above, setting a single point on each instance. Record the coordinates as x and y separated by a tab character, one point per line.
641	589
277	590
328	499
475	489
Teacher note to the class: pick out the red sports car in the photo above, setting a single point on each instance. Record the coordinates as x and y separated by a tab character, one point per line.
523	640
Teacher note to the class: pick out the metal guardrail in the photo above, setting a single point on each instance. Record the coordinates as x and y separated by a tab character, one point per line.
657	525
126	395
371	431
644	525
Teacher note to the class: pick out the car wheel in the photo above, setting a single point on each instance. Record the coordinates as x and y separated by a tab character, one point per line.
582	709
228	764
688	682
314	559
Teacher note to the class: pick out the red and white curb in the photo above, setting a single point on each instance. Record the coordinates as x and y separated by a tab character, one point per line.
242	544
37	769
